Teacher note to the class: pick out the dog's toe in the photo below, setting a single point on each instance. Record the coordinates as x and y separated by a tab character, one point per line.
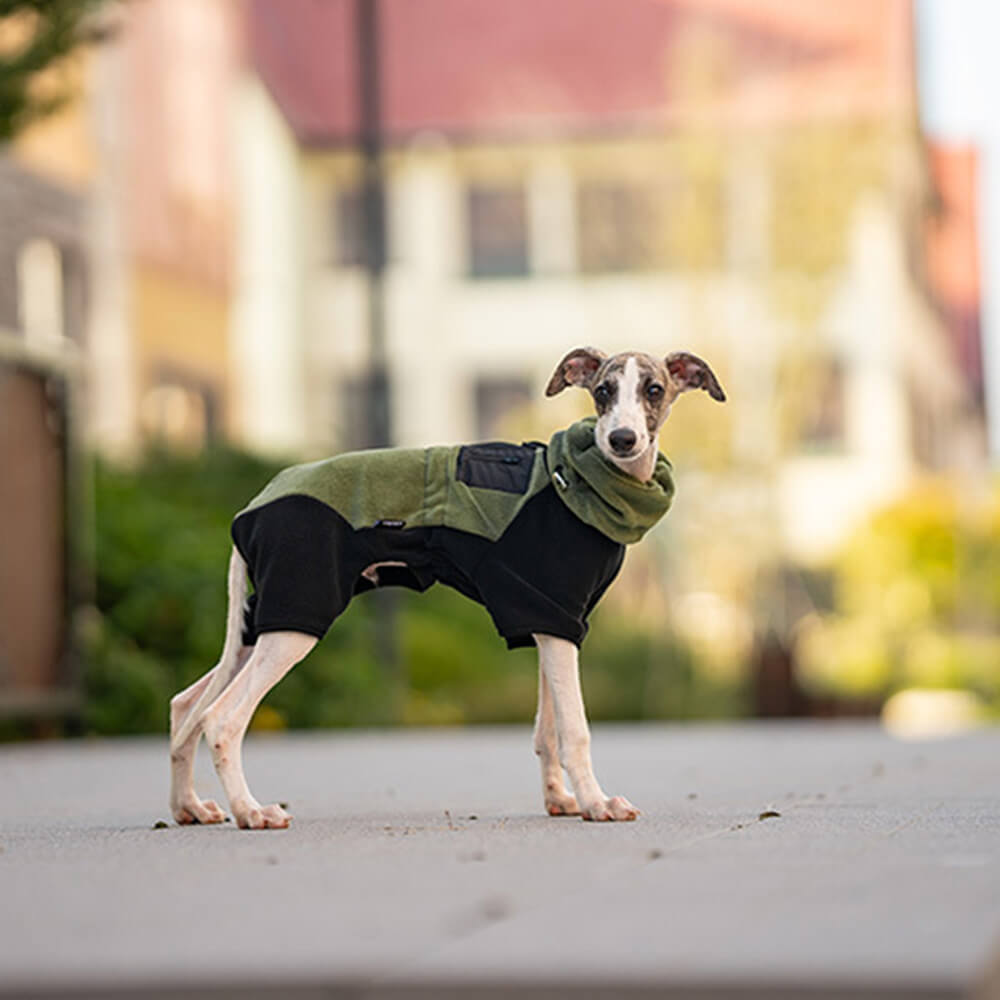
257	817
212	812
193	810
564	805
275	817
621	809
616	809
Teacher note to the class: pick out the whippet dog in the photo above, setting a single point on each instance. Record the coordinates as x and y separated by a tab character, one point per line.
632	395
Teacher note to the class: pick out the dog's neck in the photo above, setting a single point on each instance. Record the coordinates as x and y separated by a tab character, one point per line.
642	466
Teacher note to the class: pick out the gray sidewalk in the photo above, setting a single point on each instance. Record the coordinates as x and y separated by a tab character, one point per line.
420	862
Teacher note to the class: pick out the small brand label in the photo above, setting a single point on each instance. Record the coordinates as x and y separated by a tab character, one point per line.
389	522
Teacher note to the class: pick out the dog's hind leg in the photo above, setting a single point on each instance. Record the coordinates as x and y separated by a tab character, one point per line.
185	805
558	801
188	707
226	721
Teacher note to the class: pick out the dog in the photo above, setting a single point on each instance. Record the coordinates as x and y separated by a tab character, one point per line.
535	532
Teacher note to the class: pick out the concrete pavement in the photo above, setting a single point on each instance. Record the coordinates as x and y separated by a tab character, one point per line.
420	863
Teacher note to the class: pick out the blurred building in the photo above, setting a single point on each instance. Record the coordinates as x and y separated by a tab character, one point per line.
183	256
162	225
115	249
741	179
44	253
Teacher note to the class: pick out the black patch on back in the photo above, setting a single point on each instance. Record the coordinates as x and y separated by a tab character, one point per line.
496	466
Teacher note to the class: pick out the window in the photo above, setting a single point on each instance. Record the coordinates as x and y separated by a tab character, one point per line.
651	225
348	225
823	423
497	232
180	413
619	227
693	215
497	399
363	409
40	291
928	426
818	175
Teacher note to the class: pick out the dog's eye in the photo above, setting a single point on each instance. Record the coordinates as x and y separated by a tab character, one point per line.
654	392
602	394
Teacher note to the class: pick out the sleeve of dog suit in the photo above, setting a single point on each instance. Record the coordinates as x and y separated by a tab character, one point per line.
546	573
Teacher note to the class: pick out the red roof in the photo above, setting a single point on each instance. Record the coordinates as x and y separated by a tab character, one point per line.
485	66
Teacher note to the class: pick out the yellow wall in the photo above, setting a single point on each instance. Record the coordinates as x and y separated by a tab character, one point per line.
182	327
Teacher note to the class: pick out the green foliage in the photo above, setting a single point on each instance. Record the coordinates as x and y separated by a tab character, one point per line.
47	30
162	551
918	600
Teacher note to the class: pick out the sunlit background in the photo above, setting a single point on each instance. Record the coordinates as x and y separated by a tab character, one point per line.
235	233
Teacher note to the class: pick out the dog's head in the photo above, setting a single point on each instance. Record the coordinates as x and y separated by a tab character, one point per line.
632	394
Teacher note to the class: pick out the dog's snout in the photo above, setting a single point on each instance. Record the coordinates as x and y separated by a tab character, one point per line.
622	441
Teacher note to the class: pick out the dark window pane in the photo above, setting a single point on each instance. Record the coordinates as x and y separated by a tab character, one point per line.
180	410
823	425
348	229
659	224
497	232
363	404
496	399
618	228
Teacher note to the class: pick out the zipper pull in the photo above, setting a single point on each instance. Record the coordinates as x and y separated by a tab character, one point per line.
560	479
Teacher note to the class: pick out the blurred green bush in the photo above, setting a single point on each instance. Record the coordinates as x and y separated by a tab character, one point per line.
917	599
162	544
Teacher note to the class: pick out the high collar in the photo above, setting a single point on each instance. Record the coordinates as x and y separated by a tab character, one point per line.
599	493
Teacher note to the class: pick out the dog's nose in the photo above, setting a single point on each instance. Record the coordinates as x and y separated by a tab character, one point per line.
622	440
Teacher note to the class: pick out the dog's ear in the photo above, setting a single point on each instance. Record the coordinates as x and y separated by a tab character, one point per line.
578	368
690	372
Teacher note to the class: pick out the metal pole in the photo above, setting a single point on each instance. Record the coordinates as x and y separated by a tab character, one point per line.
373	214
377	418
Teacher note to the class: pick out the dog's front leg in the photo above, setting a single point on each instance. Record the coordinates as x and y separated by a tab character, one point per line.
558	801
559	662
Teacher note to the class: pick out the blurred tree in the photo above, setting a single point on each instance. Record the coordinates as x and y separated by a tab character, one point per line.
917	600
35	36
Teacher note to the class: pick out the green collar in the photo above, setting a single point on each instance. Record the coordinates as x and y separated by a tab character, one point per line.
599	493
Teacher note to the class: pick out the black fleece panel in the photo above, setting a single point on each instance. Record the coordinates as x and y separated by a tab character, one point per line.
305	563
546	572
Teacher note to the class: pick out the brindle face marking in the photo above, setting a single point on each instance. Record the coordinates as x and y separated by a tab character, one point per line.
632	394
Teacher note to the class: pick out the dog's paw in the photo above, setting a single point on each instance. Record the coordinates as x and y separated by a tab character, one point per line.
561	804
191	809
257	817
616	809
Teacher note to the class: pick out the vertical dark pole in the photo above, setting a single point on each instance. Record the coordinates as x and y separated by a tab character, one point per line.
377	416
373	215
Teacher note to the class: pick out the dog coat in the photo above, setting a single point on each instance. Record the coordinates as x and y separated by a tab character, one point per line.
535	533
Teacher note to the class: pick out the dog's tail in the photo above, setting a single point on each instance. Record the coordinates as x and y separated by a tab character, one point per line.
226	668
237	589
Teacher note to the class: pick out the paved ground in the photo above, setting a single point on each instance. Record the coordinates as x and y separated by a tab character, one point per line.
420	862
